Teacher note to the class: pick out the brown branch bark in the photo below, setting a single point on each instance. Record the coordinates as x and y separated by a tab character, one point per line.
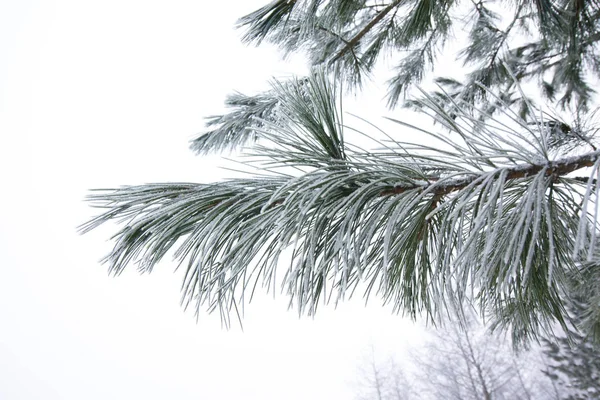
557	168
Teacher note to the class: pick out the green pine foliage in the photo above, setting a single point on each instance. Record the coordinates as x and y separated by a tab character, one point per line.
574	367
550	44
573	362
497	208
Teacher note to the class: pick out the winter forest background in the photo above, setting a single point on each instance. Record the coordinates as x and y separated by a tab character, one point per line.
475	200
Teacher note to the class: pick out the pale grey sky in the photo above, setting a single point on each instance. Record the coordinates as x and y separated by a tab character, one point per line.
100	94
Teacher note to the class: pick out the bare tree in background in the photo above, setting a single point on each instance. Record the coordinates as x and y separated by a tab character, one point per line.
461	363
384	382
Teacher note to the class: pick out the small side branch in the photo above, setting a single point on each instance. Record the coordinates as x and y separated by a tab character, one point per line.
350	44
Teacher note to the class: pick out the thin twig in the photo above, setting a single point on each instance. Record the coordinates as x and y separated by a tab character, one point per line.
354	41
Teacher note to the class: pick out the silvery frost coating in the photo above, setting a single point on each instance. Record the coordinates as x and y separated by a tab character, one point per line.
495	205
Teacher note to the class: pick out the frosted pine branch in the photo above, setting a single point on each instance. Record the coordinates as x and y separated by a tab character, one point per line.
484	211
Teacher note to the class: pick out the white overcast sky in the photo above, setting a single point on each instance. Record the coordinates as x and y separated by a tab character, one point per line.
106	93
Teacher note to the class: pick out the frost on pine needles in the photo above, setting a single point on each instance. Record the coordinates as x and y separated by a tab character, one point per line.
488	211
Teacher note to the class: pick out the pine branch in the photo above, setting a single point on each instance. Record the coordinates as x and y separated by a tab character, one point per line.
505	237
557	168
439	187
